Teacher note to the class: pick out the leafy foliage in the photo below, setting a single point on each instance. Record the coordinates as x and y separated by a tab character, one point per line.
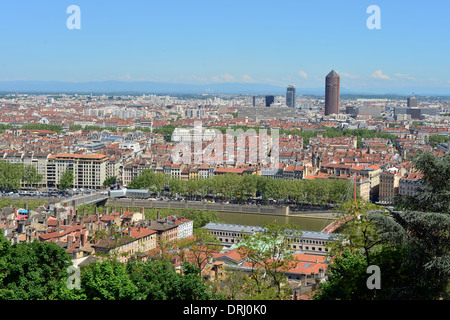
66	180
435	195
32	271
109	181
269	255
158	280
40	126
107	280
411	248
233	186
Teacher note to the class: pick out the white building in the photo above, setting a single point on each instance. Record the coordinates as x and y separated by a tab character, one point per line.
185	226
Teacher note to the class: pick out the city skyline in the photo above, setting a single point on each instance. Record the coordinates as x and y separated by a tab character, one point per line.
229	43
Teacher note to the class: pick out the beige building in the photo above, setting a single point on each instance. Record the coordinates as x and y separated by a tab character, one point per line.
373	174
389	185
363	185
89	170
136	240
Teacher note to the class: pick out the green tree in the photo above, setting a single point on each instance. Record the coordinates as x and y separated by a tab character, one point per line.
107	280
66	180
148	179
435	139
270	256
158	280
346	277
411	249
358	230
32	271
423	238
10	175
31	176
40	126
109	181
435	195
201	247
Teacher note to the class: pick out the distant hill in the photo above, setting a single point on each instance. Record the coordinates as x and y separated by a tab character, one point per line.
148	87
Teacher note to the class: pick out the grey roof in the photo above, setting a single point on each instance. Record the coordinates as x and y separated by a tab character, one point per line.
252	229
333	74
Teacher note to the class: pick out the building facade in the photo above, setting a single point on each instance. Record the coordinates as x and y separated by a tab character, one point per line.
389	184
308	242
290	96
332	93
269	100
89	170
409	184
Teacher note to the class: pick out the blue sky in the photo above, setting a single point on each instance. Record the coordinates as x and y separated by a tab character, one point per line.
274	42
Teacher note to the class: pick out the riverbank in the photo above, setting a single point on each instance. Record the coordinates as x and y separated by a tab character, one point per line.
317	215
306	222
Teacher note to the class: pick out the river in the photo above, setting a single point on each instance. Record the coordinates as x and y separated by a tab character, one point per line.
312	222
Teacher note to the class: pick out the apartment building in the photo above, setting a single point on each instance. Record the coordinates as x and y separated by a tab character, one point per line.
373	174
410	183
89	170
389	185
135	240
185	226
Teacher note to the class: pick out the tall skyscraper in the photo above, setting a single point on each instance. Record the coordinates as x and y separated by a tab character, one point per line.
269	100
290	96
254	101
412	102
332	89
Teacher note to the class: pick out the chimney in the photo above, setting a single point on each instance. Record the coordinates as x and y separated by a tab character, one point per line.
15	213
142	210
26	208
157	215
83	239
69	242
46	220
129	231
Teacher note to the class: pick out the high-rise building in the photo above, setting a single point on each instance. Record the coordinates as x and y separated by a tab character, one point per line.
89	170
254	101
290	96
332	84
269	100
412	102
